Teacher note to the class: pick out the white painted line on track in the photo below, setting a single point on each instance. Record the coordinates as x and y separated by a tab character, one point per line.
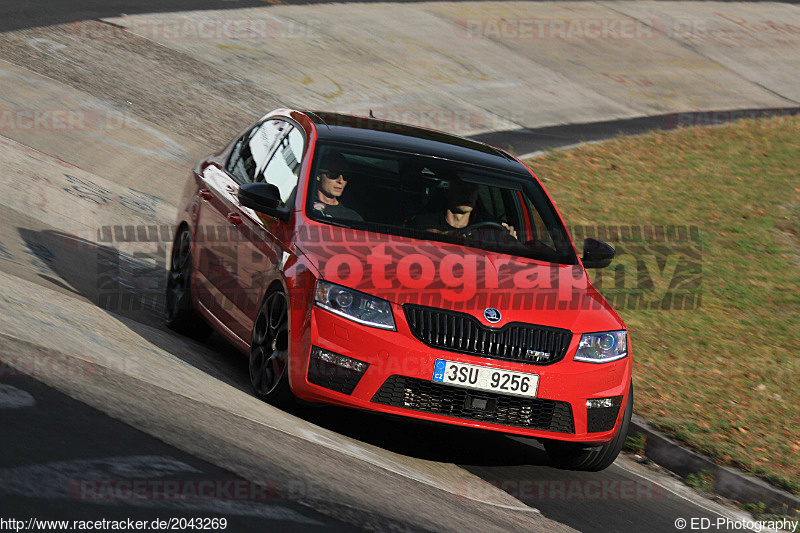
540	153
14	398
742	516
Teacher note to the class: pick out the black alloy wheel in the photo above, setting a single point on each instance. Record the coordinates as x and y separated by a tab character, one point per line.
179	314
269	350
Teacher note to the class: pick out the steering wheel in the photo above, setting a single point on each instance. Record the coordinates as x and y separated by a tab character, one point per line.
469	231
488	224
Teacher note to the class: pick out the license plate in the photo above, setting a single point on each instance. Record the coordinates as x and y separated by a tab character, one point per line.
485	378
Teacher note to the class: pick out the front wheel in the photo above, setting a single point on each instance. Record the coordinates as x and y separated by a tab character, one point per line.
269	351
575	456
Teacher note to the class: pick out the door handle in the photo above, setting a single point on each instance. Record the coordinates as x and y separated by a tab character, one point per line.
205	194
234	219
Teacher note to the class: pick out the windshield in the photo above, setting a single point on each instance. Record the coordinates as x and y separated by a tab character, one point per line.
410	195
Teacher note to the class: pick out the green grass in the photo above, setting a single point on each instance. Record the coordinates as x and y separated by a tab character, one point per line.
702	481
762	513
722	377
636	443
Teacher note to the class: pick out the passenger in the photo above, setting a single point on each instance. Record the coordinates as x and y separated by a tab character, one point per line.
461	198
331	180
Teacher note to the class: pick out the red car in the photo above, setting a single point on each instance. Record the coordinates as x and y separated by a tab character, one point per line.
400	270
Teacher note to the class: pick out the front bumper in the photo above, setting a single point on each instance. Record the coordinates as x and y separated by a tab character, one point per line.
398	381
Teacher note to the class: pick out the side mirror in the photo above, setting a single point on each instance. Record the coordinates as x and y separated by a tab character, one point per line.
264	198
597	254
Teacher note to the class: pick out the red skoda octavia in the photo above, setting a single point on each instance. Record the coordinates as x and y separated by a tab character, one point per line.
400	270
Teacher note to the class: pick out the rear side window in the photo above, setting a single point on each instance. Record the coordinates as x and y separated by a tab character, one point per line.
252	151
283	168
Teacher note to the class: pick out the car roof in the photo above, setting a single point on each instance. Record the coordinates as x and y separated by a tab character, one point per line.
373	132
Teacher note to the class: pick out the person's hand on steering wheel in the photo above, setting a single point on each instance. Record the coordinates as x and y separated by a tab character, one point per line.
487	225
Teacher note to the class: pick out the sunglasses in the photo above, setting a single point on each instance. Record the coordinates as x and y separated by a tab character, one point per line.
333	174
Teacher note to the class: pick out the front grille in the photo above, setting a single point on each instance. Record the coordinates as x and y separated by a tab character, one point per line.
460	332
430	397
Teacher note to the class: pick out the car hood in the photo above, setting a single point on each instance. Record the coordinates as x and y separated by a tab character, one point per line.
458	278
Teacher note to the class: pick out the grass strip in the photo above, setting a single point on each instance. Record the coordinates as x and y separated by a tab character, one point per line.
722	375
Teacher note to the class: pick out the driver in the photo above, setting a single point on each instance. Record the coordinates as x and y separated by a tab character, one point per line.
332	176
459	214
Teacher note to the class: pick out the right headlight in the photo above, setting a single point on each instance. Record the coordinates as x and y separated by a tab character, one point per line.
602	347
354	305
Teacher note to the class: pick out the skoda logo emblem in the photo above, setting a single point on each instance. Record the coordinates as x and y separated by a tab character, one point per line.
492	315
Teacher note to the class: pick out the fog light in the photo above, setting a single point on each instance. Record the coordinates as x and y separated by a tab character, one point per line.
339	360
601	413
599	403
335	371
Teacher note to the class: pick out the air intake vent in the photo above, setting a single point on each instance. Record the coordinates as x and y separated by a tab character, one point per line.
430	397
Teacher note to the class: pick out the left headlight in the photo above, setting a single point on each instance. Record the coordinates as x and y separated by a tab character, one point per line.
602	347
354	305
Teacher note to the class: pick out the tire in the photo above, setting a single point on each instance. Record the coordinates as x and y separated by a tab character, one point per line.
269	351
574	456
179	314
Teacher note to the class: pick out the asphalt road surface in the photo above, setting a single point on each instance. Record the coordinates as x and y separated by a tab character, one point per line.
62	460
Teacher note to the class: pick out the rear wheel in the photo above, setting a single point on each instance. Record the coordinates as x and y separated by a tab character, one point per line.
179	314
269	351
574	456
